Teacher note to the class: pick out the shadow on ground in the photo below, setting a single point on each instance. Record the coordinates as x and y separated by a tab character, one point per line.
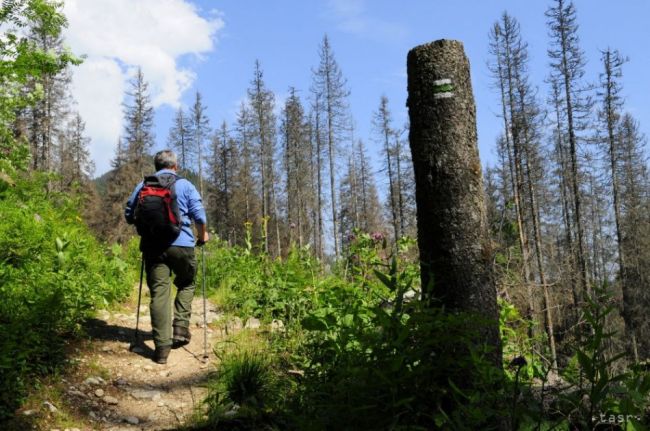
97	329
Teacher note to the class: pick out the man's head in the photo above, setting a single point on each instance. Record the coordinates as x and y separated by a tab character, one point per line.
165	159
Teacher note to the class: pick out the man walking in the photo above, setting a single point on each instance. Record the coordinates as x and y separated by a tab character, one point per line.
167	198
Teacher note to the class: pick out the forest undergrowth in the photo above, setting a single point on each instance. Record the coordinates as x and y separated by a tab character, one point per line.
349	347
355	348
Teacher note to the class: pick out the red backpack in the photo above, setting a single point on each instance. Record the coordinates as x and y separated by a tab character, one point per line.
156	217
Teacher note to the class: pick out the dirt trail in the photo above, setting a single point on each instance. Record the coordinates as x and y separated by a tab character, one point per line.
123	390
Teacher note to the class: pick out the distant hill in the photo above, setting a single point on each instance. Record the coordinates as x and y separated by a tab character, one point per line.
101	182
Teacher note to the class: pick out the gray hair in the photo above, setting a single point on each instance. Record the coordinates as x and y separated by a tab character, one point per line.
164	159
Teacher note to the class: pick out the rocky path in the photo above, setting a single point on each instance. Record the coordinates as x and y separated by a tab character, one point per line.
118	389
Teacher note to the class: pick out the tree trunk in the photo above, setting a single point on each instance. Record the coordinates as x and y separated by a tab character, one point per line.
319	170
455	250
364	192
611	141
400	187
391	187
537	237
508	103
575	185
331	156
566	207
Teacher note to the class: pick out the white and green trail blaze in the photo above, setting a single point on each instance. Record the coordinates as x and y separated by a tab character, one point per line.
443	89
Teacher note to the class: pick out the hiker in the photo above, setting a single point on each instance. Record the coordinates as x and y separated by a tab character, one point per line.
167	243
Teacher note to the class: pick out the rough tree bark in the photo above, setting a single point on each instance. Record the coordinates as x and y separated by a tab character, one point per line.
455	249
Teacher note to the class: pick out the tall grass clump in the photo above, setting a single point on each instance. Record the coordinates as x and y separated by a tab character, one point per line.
248	390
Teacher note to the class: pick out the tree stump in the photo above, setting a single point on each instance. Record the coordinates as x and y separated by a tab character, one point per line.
453	237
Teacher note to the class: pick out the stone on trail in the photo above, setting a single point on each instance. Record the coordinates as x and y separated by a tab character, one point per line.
142	394
235	324
110	400
51	407
76	393
132	420
211	316
99	393
252	323
91	381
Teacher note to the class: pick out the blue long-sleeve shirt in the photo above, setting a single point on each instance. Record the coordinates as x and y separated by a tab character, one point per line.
190	206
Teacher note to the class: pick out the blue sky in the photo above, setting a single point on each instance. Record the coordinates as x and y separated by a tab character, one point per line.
370	40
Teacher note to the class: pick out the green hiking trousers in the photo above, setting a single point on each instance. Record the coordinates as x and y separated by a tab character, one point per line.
180	261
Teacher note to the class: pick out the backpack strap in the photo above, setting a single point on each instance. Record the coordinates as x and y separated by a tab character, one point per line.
166	180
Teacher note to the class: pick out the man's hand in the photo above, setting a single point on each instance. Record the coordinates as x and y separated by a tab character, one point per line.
202	234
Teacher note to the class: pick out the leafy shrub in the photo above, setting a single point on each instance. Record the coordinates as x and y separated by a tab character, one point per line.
379	362
255	285
517	345
52	275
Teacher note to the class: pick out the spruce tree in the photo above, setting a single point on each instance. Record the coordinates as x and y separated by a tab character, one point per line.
138	128
382	123
296	148
132	158
567	63
330	89
200	132
262	103
610	117
76	165
182	141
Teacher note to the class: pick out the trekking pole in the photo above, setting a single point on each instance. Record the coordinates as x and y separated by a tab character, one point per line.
136	337
205	318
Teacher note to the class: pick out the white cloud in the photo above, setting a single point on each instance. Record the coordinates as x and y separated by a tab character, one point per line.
98	86
117	36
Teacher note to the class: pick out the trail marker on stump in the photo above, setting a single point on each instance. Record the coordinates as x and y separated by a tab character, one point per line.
452	230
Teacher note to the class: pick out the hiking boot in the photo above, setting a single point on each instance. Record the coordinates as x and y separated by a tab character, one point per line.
161	354
181	336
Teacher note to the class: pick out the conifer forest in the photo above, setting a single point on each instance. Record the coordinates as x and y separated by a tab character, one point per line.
381	277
